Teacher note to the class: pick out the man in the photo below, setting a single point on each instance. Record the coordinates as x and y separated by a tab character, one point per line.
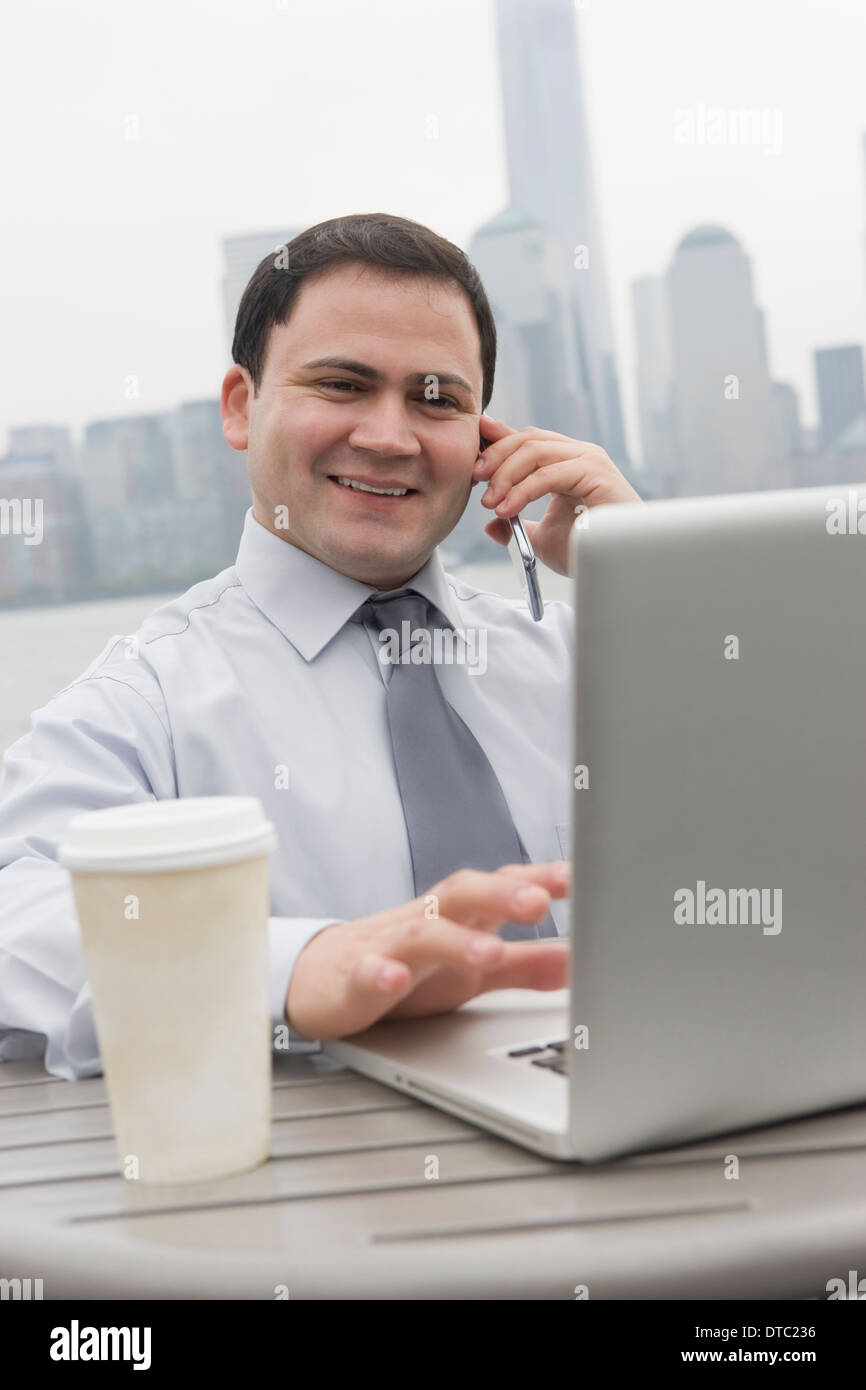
364	354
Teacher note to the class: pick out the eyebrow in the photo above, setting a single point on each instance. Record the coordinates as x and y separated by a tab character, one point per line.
363	369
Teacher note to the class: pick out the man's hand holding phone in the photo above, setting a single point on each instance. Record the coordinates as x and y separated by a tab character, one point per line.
520	466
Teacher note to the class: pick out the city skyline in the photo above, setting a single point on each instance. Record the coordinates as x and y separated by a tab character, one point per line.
79	424
110	287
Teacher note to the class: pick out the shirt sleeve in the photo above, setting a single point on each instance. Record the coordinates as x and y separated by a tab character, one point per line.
287	937
98	743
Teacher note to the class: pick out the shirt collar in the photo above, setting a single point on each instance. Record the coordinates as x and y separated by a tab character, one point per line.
307	600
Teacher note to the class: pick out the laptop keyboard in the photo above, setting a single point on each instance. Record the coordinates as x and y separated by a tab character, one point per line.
550	1055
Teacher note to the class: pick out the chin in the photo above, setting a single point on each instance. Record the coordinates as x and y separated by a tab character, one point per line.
382	570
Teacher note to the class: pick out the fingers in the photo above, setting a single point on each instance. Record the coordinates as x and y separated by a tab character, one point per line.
381	978
486	900
408	955
381	985
423	944
530	965
374	984
499	530
518	460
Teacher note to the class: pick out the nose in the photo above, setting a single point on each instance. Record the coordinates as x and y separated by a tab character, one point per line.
385	429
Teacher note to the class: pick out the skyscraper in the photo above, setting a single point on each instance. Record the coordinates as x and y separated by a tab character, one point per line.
548	235
787	419
864	186
725	415
841	397
242	254
655	379
46	443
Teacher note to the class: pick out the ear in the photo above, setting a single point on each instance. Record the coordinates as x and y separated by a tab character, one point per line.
234	406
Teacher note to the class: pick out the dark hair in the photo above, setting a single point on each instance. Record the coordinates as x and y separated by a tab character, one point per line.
375	238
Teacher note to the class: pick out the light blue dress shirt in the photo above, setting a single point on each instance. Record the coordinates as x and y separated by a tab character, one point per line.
256	683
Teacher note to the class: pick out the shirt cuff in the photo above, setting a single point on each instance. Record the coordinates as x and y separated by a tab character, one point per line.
287	937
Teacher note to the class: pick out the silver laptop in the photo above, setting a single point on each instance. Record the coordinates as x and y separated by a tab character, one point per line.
718	903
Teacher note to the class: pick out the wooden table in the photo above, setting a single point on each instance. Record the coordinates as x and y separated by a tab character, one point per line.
346	1209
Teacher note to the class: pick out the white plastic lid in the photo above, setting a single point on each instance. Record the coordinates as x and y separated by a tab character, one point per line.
189	832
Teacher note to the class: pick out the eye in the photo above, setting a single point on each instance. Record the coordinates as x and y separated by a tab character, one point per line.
441	400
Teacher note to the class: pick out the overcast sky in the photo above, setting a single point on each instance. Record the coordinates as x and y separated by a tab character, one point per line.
254	114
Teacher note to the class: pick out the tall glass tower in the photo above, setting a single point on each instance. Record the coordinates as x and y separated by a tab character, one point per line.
550	181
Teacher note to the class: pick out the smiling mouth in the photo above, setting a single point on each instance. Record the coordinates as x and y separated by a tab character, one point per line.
385	495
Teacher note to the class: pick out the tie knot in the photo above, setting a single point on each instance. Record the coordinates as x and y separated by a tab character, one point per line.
400	615
393	609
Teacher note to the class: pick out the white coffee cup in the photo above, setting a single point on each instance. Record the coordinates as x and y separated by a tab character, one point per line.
172	900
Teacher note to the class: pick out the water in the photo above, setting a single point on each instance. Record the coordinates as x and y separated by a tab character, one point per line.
46	648
43	649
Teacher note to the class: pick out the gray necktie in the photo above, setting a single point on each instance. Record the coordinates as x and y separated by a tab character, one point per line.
456	814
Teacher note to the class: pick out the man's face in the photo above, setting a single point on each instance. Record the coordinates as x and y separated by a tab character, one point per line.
311	424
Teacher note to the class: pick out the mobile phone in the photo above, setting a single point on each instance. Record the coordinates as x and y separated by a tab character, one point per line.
523	557
527	567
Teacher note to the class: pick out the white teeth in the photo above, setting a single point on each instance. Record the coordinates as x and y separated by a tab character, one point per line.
382	491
